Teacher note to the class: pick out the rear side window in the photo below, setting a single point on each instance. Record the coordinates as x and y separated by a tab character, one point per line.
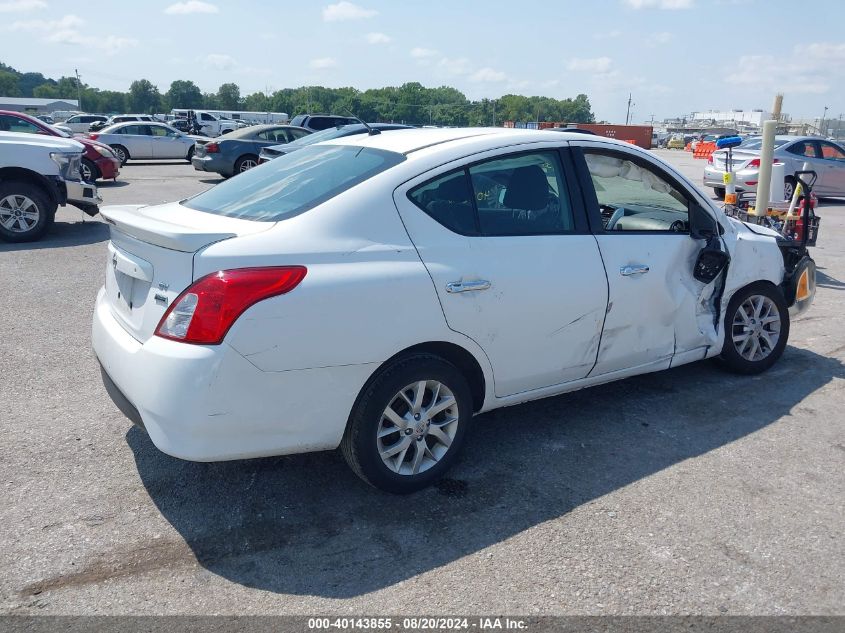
294	183
448	200
519	194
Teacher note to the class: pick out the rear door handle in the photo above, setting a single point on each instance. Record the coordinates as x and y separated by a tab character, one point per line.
635	269
467	286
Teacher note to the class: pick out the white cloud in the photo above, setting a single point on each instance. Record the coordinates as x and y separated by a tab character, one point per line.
191	6
656	39
455	67
323	63
608	35
343	11
21	6
659	4
68	30
822	51
776	74
423	53
590	65
488	75
219	61
378	38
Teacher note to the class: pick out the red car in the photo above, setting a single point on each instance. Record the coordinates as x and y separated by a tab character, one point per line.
98	161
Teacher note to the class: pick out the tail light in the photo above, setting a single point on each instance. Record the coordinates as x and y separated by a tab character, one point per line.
755	162
710	159
212	148
205	311
93	136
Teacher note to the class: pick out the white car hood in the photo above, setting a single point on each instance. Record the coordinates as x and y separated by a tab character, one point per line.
40	140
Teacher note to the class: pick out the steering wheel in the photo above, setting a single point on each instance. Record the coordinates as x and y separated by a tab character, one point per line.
617	215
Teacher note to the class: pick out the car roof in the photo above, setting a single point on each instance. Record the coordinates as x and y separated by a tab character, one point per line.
411	141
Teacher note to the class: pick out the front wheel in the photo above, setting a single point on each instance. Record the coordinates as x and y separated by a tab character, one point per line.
408	425
26	211
190	154
756	329
89	171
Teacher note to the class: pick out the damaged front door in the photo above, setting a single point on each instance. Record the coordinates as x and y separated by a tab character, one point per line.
642	223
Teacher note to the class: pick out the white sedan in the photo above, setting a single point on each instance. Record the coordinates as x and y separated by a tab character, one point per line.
376	292
146	140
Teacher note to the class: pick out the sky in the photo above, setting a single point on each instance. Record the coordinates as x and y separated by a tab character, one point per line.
668	54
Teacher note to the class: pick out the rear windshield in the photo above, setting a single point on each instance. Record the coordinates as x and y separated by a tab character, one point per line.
757	143
327	135
294	183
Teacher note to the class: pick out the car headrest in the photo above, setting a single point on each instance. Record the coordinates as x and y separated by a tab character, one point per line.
527	189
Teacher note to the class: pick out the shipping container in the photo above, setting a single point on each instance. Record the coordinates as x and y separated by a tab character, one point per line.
639	135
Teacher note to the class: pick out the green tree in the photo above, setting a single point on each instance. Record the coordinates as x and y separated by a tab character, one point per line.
46	91
184	94
229	97
9	84
144	97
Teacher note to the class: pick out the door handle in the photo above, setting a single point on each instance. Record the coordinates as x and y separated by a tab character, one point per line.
635	269
467	286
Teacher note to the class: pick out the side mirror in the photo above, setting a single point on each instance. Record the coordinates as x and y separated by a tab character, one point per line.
711	261
702	224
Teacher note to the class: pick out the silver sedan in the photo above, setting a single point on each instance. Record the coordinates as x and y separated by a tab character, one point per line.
143	140
827	159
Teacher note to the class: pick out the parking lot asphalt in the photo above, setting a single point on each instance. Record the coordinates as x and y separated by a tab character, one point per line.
689	491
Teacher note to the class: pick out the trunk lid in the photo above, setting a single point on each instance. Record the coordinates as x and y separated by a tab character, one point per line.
740	159
150	257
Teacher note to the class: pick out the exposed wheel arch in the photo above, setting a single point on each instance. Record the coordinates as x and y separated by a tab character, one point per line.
455	354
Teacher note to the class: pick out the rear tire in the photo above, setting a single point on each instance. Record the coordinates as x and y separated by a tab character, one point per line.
720	192
122	153
788	188
756	329
26	211
245	163
408	424
190	154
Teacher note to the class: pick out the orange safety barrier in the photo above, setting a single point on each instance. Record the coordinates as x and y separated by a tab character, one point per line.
688	147
629	140
704	150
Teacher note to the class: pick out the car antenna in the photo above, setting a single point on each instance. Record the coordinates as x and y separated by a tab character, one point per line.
370	129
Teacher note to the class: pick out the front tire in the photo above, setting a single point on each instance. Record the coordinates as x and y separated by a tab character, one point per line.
720	192
756	329
26	211
190	154
89	171
408	425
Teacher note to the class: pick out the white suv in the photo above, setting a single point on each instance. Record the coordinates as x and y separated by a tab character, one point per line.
38	174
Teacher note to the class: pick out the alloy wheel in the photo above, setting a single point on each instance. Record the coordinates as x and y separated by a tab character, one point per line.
18	213
85	170
247	163
417	427
756	328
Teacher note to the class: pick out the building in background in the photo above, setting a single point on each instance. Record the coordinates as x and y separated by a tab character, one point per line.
31	105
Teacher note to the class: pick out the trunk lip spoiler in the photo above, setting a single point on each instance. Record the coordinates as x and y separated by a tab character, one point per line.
169	235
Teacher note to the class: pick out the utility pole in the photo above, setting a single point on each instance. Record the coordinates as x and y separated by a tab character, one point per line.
652	120
821	123
628	113
79	90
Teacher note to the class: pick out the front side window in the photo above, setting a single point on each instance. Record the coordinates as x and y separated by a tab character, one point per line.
156	130
294	183
832	152
634	196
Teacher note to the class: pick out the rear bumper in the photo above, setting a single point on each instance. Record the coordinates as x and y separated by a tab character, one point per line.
746	180
213	164
209	403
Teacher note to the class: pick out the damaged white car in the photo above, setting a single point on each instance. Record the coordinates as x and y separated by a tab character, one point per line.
376	292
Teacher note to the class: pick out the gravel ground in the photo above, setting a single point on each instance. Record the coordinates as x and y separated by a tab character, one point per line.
689	491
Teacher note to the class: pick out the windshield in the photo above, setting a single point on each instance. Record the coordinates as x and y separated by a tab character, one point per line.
60	132
294	183
757	142
327	135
